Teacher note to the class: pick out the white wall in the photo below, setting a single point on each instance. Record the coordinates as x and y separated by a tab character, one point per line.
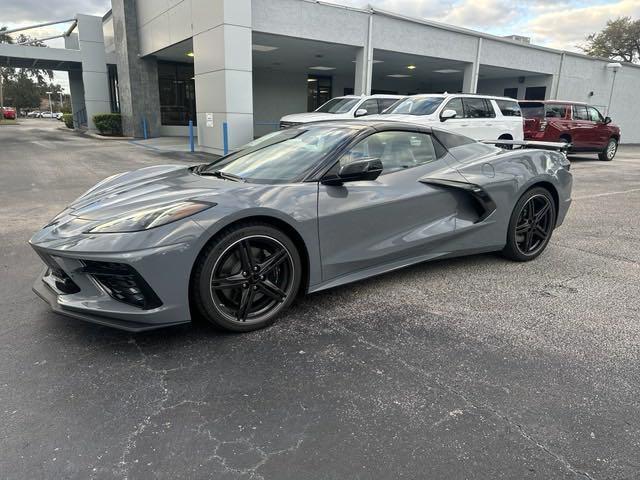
497	86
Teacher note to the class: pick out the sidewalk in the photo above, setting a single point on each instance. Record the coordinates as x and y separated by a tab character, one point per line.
166	144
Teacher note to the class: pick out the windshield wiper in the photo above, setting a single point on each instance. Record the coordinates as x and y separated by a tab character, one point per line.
221	174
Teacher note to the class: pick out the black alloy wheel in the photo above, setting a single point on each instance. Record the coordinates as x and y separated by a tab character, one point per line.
247	278
532	223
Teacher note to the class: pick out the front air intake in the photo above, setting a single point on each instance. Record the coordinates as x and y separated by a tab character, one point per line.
123	283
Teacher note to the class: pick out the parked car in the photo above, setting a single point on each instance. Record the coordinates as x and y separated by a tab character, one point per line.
338	108
34	114
49	114
579	124
481	117
9	113
299	210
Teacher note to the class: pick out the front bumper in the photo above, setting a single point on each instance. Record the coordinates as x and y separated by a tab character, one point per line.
85	296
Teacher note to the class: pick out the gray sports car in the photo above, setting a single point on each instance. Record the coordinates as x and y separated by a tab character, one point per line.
300	210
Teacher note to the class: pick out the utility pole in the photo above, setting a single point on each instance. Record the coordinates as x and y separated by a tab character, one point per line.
1	93
50	106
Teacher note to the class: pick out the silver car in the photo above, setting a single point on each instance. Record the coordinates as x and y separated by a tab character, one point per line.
299	210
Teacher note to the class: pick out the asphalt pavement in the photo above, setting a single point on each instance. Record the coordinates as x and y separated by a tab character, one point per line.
473	368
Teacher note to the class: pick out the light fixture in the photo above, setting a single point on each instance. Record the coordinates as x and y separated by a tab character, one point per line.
447	70
398	75
190	54
411	67
320	67
263	48
312	79
373	61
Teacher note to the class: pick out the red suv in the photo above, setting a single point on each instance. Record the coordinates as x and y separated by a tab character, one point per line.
579	124
9	113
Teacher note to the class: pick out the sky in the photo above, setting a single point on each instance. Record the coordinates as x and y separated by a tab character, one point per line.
561	24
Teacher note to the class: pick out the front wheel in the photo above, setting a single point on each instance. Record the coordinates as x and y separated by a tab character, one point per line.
246	277
531	225
610	150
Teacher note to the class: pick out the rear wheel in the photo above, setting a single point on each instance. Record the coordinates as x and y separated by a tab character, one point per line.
247	277
531	225
610	150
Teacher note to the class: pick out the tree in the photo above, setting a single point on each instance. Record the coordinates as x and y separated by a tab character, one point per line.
22	92
619	40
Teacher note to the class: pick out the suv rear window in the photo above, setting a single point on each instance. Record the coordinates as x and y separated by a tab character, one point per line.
539	110
509	108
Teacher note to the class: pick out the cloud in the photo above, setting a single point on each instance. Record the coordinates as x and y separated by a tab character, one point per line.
556	28
480	13
25	12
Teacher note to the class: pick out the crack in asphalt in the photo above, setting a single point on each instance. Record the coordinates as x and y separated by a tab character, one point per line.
395	355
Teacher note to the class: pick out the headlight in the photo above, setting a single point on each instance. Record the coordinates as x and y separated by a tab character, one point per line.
152	217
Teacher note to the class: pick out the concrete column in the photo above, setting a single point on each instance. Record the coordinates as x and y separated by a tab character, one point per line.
137	77
471	72
94	67
364	64
76	88
223	72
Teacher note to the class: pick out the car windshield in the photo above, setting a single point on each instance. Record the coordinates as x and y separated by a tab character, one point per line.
338	105
417	106
280	157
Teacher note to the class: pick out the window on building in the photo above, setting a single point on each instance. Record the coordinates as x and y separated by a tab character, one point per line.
114	97
535	93
511	92
580	112
177	93
318	91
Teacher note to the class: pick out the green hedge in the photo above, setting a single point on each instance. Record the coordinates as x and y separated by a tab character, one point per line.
108	123
67	118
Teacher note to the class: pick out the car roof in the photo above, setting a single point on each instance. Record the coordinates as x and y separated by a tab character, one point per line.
362	124
453	95
563	102
375	95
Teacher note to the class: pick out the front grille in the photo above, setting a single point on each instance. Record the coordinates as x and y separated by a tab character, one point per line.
56	277
123	283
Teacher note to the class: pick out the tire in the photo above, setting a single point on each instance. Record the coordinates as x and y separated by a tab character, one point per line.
530	228
609	151
246	276
503	145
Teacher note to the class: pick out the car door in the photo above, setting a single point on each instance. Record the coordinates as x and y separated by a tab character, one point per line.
364	224
581	127
459	123
370	105
477	121
600	131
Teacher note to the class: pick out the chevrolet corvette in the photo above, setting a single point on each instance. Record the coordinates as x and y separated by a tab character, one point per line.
300	210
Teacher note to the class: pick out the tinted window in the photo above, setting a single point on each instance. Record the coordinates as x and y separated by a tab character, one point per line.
396	150
556	111
452	140
532	109
594	115
580	112
455	104
338	105
284	155
509	109
386	103
417	105
477	108
371	106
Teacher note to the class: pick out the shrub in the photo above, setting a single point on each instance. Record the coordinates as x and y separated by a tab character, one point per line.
108	123
67	118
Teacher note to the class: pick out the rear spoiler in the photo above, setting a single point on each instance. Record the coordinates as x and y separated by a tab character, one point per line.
557	146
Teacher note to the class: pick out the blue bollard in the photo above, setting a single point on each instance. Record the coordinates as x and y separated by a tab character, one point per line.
191	144
144	128
225	137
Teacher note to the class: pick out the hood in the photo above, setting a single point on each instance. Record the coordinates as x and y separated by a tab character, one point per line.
311	117
146	187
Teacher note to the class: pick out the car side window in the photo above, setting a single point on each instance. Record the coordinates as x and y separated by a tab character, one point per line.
455	104
580	112
397	150
477	108
385	103
555	111
595	115
509	108
371	106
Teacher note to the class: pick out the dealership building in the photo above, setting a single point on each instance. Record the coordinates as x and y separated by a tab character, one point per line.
246	63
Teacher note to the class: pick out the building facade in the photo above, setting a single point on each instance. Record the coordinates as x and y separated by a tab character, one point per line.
246	63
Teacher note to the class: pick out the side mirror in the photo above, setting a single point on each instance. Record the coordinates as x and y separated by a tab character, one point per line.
607	120
364	169
447	115
361	112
